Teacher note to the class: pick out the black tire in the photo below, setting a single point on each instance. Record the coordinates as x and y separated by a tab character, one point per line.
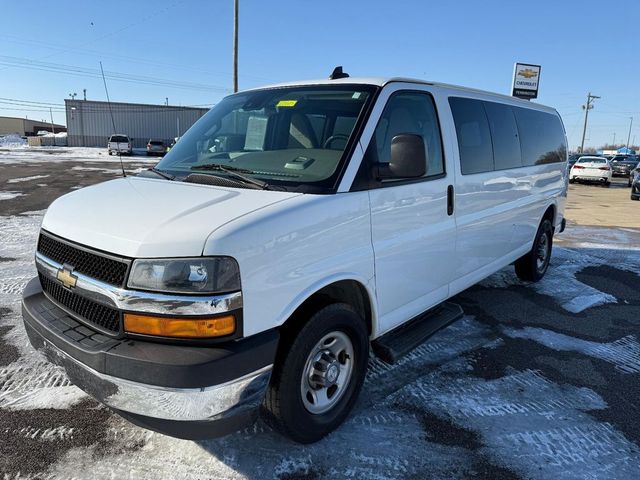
284	407
571	180
528	267
606	184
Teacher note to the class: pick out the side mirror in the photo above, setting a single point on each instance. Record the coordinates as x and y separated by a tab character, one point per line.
408	158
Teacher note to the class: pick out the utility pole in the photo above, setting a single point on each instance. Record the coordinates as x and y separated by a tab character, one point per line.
53	129
629	136
84	94
166	100
587	107
235	46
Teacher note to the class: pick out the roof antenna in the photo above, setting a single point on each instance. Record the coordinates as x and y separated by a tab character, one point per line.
338	73
113	122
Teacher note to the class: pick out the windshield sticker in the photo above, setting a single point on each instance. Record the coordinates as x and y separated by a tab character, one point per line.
286	103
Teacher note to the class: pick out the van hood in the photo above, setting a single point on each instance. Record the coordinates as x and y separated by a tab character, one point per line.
144	217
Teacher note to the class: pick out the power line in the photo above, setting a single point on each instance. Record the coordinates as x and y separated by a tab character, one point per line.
116	76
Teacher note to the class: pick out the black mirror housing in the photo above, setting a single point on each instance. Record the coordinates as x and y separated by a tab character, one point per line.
408	158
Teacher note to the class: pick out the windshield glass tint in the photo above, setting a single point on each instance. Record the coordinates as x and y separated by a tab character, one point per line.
294	135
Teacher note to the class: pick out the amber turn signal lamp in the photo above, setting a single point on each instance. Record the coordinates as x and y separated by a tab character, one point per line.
179	327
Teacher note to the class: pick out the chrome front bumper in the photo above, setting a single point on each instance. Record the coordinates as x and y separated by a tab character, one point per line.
178	404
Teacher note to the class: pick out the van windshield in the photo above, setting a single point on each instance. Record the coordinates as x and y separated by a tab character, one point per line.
293	136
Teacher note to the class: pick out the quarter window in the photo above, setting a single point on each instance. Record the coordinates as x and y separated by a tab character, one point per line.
474	137
541	137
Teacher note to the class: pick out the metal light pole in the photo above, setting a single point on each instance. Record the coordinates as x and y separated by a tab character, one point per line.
53	129
629	136
587	107
235	46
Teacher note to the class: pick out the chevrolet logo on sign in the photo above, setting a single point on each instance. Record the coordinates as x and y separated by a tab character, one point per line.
528	73
66	277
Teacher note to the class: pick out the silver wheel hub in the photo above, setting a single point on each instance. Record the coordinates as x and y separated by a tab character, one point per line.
327	372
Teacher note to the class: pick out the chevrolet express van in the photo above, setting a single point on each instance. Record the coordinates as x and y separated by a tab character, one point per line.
292	230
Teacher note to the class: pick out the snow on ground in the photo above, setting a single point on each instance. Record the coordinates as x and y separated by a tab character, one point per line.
26	179
9	195
65	154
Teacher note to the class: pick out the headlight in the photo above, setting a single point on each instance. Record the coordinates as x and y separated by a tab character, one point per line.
186	275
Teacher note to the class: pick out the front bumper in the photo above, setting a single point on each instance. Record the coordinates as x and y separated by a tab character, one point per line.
184	391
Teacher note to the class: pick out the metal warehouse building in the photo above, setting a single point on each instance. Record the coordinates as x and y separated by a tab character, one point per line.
89	122
26	127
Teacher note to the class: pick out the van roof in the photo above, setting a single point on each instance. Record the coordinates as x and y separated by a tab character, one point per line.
382	81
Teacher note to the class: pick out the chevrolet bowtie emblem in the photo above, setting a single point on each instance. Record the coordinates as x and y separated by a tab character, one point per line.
66	277
528	73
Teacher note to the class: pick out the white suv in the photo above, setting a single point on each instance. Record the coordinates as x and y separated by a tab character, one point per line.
292	229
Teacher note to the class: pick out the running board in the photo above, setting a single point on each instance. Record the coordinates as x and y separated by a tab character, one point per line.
401	340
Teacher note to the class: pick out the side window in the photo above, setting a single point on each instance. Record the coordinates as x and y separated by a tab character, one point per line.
504	134
414	113
474	137
541	137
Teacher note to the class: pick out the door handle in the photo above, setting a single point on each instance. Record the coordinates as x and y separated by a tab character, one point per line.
450	200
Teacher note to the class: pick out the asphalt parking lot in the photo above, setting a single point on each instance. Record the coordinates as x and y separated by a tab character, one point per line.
536	381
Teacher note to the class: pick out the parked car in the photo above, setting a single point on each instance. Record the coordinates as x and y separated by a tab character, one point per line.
622	168
261	264
119	144
156	147
591	169
634	182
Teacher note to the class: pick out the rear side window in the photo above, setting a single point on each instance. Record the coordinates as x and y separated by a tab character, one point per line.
541	137
410	113
474	136
504	133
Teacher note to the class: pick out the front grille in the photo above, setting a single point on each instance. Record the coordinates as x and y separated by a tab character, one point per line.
108	319
94	265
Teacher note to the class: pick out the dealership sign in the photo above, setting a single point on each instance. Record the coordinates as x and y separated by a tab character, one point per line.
526	79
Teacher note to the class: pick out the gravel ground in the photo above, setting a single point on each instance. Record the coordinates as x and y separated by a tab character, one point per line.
536	381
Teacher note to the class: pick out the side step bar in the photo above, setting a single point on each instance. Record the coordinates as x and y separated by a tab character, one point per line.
401	340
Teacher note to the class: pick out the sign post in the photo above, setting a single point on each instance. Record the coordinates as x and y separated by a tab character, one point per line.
526	79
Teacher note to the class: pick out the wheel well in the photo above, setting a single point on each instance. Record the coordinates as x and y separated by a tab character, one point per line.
550	213
350	292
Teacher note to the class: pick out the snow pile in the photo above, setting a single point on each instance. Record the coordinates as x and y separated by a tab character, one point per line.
13	140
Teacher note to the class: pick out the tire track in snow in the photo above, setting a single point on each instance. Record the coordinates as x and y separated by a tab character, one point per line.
624	353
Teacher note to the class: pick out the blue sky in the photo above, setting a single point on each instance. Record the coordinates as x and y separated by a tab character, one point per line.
582	46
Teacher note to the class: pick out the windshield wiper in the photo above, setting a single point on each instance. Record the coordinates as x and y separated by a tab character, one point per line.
161	173
233	172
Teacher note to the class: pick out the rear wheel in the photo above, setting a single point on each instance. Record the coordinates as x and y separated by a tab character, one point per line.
532	266
317	378
606	184
572	180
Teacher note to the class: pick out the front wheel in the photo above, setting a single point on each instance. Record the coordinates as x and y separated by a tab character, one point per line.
318	375
532	266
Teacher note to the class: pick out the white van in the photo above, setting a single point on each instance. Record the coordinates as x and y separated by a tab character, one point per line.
293	229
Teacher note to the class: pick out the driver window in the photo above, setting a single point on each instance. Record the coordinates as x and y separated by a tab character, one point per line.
414	113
